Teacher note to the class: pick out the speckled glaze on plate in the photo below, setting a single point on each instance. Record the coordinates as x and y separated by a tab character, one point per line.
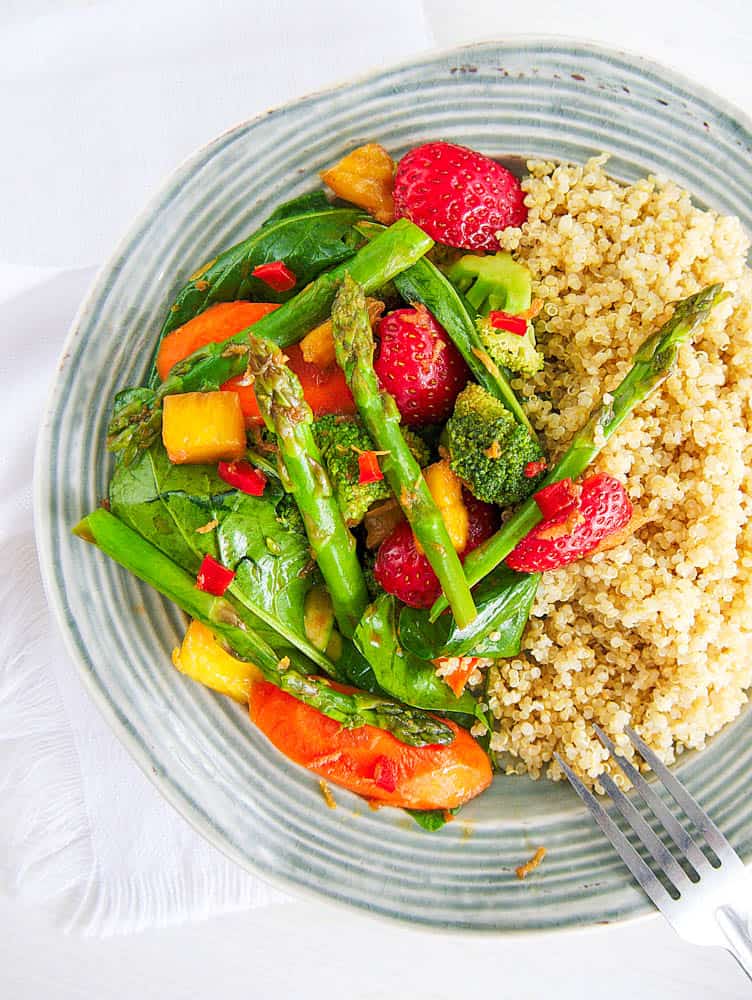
527	96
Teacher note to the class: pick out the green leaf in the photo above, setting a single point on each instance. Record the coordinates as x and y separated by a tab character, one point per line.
311	201
308	242
503	601
167	505
273	566
356	670
431	819
397	671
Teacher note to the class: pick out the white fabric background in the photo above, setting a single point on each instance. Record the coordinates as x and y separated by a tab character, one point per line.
278	951
105	100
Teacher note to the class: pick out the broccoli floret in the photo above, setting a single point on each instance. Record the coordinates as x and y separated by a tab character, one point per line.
498	282
339	440
510	350
489	450
493	282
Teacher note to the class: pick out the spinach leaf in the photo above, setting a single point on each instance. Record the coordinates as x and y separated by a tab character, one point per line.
168	504
311	201
273	567
503	601
356	670
431	819
397	671
308	234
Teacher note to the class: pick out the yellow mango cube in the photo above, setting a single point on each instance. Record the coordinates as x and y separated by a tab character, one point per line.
446	490
317	347
203	659
203	427
365	177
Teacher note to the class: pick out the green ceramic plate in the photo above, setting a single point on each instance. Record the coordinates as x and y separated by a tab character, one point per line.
551	98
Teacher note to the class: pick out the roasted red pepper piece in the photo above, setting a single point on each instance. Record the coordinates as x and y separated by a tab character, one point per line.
557	498
532	469
243	477
369	470
276	274
505	321
213	577
385	773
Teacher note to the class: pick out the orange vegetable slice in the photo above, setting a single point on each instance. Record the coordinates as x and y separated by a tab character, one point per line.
370	761
212	326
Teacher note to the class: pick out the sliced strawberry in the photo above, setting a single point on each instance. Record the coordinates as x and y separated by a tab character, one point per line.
603	508
419	365
403	571
459	197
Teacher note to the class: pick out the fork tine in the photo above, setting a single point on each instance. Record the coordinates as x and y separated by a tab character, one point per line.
681	837
659	851
699	817
644	876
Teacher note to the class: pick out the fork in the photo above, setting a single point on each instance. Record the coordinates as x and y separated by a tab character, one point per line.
704	900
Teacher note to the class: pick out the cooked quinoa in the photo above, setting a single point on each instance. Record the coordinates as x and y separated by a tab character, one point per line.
656	631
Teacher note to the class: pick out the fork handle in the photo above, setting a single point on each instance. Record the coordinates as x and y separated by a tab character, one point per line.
736	931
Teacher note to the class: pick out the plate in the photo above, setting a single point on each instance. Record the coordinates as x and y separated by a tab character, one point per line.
551	98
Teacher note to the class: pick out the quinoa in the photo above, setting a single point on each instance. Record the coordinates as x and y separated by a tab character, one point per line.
654	632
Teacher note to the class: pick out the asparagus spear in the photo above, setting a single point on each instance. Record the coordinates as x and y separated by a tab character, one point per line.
285	411
225	619
652	364
353	343
137	423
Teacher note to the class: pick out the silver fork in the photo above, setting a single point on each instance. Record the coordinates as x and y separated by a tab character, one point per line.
706	902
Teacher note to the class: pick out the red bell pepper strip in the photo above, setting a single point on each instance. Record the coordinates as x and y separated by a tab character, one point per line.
213	577
276	274
369	470
243	477
385	773
557	498
532	469
505	321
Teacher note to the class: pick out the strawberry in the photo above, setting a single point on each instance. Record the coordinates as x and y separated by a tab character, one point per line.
403	571
483	521
459	197
419	365
603	508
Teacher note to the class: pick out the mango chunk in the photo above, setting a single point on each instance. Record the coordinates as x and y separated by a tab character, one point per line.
317	347
202	427
203	659
446	490
365	177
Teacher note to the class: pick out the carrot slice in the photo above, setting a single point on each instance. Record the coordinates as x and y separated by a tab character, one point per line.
212	326
370	761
